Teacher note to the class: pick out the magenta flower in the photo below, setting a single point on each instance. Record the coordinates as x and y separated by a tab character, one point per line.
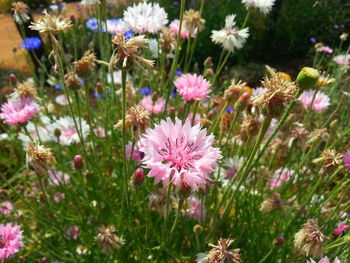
324	260
10	240
195	209
136	154
280	176
73	232
340	229
347	160
321	102
175	28
154	107
179	153
19	110
6	207
192	87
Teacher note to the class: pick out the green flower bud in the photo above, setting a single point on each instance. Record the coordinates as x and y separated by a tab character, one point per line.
307	78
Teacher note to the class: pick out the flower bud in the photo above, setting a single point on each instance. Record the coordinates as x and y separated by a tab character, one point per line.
72	18
57	132
171	111
208	73
99	88
205	122
13	79
154	96
197	229
274	108
242	102
78	162
307	78
210	115
72	81
344	36
279	241
138	177
208	62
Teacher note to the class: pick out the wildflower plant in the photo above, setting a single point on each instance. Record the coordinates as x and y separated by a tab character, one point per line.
123	148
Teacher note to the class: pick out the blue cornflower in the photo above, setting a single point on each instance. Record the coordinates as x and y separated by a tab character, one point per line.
146	91
173	92
178	72
128	34
92	24
31	43
229	109
58	86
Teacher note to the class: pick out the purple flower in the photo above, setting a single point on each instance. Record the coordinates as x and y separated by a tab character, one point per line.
229	109
313	40
128	34
145	91
178	73
31	43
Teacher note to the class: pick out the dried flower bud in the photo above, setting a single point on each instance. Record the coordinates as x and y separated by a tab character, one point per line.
39	158
205	122
307	78
57	132
12	79
72	81
242	102
138	177
86	65
78	162
197	229
108	240
171	111
222	252
208	62
99	88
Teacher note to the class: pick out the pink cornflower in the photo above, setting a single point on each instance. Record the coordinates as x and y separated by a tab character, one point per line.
324	260
179	153
340	229
197	118
73	232
321	102
192	87
58	177
154	107
100	132
57	197
136	154
62	100
10	240
175	27
19	110
6	207
347	160
195	209
325	49
280	176
342	59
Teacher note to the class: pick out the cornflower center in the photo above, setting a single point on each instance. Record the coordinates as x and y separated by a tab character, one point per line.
179	155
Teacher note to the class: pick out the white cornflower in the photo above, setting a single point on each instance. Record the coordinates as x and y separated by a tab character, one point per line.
116	25
20	12
146	17
68	129
230	37
50	23
264	6
90	2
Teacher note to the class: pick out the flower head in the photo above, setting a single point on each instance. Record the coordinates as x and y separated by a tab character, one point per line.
324	260
222	253
321	101
341	227
342	59
6	207
330	159
264	6
116	25
20	12
19	110
280	176
230	37
31	43
175	28
90	2
25	89
51	23
10	240
58	177
69	133
86	65
73	232
145	17
179	153
192	87
310	239
38	157
347	160
195	209
193	22
92	24
107	239
153	107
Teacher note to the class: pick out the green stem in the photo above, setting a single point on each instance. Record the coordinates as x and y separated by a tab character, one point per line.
126	195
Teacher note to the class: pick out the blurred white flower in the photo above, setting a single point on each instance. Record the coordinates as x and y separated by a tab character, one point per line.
230	37
264	6
90	2
146	17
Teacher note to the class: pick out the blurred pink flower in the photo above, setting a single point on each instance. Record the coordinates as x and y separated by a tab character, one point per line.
11	240
73	232
325	49
175	27
100	132
197	118
116	25
342	59
58	177
192	87
61	100
195	209
153	107
347	160
136	154
323	260
280	176
340	229
179	153
57	197
321	102
19	110
6	207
